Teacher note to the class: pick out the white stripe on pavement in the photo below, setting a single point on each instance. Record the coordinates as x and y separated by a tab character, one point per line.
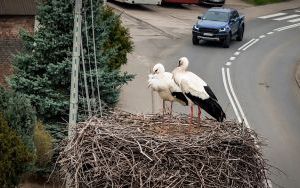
236	100
262	36
287	17
294	20
287	27
270	33
232	58
236	53
255	41
229	96
228	63
246	44
273	15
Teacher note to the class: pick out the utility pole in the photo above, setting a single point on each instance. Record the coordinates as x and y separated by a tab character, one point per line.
75	68
74	77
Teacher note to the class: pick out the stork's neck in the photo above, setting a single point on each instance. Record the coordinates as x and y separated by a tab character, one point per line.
177	73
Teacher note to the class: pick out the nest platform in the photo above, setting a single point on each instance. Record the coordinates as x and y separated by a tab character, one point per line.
135	150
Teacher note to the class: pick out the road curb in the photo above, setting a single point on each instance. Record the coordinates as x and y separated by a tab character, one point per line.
122	11
297	74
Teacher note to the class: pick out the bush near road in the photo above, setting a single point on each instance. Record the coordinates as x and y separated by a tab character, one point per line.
14	156
20	115
263	2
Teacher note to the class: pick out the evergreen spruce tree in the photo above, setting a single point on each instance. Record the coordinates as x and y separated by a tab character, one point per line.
43	69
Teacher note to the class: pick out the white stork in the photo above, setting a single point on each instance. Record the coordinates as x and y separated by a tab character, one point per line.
197	91
165	86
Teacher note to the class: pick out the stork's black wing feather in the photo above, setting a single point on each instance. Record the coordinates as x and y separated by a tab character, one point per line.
210	93
180	96
210	105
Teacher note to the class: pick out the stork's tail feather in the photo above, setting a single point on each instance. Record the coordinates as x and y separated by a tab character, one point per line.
211	106
180	98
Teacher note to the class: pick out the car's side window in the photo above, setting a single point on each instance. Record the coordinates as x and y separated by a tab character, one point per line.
231	15
235	14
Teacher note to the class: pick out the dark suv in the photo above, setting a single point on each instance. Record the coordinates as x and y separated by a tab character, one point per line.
219	24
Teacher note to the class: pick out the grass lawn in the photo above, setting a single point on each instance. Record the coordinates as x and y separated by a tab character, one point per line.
263	2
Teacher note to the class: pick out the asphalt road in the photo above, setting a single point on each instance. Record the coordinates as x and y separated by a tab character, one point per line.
262	78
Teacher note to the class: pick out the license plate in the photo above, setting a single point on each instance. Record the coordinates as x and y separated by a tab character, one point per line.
208	34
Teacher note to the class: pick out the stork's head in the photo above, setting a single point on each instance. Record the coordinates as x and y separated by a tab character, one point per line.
158	68
183	63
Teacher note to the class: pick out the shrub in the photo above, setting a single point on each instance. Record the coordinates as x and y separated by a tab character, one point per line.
14	156
263	2
19	114
44	146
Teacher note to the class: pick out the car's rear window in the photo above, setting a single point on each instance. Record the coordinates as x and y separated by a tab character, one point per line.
216	16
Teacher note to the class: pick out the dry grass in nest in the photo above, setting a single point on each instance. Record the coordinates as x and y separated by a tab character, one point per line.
128	150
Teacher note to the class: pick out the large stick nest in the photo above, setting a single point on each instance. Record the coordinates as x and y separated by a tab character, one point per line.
127	150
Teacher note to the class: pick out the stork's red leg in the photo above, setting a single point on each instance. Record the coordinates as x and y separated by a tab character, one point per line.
163	107
199	114
171	108
192	114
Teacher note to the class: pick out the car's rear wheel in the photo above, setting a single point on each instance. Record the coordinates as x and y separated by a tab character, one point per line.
195	40
240	34
226	41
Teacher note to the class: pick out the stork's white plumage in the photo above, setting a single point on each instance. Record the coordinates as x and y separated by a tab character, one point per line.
162	82
197	90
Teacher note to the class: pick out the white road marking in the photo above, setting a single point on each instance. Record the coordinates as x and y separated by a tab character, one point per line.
273	15
232	58
297	10
268	183
228	63
246	44
294	20
262	36
229	96
287	27
236	100
287	17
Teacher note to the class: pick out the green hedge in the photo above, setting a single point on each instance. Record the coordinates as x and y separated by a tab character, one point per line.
14	156
19	114
263	2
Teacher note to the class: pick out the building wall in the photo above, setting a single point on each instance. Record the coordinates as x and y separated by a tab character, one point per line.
10	25
10	42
